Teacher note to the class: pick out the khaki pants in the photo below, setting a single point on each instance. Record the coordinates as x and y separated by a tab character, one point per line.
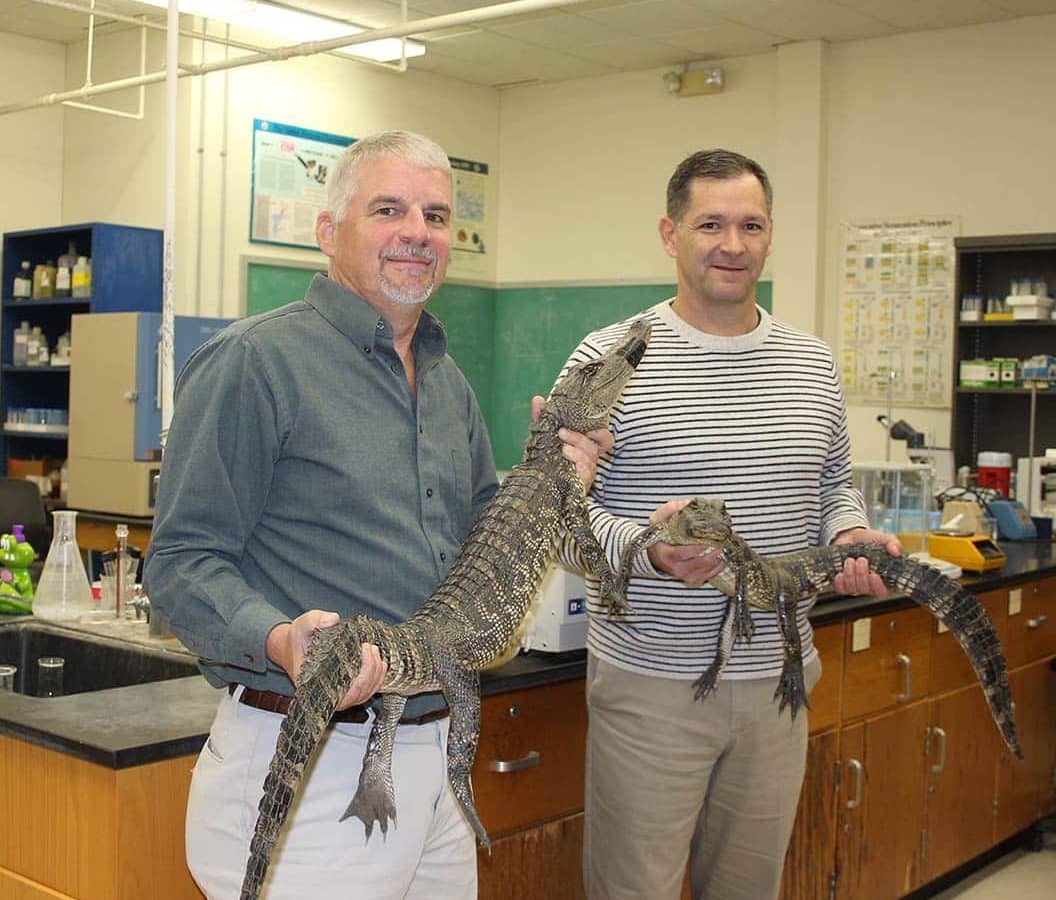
428	854
669	778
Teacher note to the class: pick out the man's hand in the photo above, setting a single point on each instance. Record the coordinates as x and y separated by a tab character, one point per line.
288	642
690	564
582	450
856	577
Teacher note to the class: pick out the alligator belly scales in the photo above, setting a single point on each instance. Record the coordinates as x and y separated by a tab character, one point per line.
779	583
467	623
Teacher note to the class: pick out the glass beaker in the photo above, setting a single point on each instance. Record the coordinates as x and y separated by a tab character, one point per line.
63	593
7	677
49	676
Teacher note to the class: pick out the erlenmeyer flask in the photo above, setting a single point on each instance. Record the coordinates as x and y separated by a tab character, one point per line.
63	593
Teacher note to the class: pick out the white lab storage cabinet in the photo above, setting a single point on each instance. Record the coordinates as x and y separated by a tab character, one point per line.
115	406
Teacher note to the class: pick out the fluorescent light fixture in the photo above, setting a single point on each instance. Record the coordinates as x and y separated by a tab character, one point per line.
292	25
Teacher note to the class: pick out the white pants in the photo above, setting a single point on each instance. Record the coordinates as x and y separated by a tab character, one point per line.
429	852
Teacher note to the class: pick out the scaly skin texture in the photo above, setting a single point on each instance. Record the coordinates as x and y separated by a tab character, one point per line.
468	621
777	584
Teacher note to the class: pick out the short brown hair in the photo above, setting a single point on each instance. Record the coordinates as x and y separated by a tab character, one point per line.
711	164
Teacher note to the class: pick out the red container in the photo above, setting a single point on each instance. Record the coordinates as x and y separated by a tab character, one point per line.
996	477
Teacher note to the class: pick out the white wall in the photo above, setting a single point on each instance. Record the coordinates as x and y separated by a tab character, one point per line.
31	142
586	163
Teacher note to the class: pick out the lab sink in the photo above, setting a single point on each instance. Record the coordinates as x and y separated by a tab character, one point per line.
91	662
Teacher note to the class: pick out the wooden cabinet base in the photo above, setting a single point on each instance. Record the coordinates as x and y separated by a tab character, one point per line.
110	834
543	863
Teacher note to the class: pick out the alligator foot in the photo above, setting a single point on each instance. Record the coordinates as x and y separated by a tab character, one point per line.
706	683
375	802
613	594
791	689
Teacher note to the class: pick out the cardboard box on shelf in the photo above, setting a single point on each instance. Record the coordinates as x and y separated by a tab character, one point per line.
20	468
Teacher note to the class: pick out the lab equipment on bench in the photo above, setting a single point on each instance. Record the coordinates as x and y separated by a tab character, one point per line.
1013	520
972	552
559	618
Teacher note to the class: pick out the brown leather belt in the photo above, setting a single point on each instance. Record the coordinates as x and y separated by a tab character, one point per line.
280	703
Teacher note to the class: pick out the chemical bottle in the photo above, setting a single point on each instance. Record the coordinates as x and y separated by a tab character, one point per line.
82	277
64	271
63	593
44	281
21	342
61	356
43	351
16	556
33	346
23	286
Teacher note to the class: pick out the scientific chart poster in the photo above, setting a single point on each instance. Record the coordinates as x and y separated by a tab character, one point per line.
291	166
469	220
897	311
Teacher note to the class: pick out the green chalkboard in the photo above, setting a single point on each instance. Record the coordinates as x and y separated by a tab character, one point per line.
269	286
468	316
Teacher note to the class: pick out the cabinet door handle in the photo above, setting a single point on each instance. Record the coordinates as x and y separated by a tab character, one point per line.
940	733
1037	622
529	761
856	767
907	677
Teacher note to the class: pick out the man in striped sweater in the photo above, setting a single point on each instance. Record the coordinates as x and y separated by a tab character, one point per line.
728	402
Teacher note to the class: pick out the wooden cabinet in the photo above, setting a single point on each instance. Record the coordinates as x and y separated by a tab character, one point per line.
528	786
70	828
809	863
1032	630
960	759
887	661
881	805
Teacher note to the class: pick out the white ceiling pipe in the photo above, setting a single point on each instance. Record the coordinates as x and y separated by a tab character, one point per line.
307	48
199	35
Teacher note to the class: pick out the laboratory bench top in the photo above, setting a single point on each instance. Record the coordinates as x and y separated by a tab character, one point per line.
131	726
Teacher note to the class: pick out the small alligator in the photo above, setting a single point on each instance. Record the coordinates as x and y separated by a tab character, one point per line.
777	584
470	619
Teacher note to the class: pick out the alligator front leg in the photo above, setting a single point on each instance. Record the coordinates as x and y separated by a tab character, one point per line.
743	626
710	678
375	799
646	538
461	688
791	689
577	521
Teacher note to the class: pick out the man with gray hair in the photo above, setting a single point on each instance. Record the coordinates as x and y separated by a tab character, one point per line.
327	459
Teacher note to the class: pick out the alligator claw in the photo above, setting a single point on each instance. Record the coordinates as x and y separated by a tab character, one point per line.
706	683
375	801
743	625
791	690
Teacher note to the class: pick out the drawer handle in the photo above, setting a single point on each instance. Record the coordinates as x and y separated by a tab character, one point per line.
856	800
1037	622
529	761
938	767
907	677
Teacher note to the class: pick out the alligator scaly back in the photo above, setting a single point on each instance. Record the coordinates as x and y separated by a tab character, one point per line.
777	584
467	622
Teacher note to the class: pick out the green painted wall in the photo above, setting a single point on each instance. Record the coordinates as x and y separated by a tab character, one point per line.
509	342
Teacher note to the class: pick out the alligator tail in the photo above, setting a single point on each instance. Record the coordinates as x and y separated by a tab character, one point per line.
961	613
306	720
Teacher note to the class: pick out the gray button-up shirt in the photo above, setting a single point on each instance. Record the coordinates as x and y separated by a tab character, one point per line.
301	472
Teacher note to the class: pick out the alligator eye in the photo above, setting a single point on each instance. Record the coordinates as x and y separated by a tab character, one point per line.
591	368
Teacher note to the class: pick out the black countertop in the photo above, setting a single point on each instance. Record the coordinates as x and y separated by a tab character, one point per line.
131	726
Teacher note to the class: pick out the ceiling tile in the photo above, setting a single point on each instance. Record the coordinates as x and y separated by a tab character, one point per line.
727	39
1026	7
563	32
800	19
915	14
654	16
634	53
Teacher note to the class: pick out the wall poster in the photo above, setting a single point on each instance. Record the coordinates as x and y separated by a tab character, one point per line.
897	311
291	167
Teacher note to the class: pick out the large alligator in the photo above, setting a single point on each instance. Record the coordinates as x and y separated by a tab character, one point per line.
470	619
778	583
